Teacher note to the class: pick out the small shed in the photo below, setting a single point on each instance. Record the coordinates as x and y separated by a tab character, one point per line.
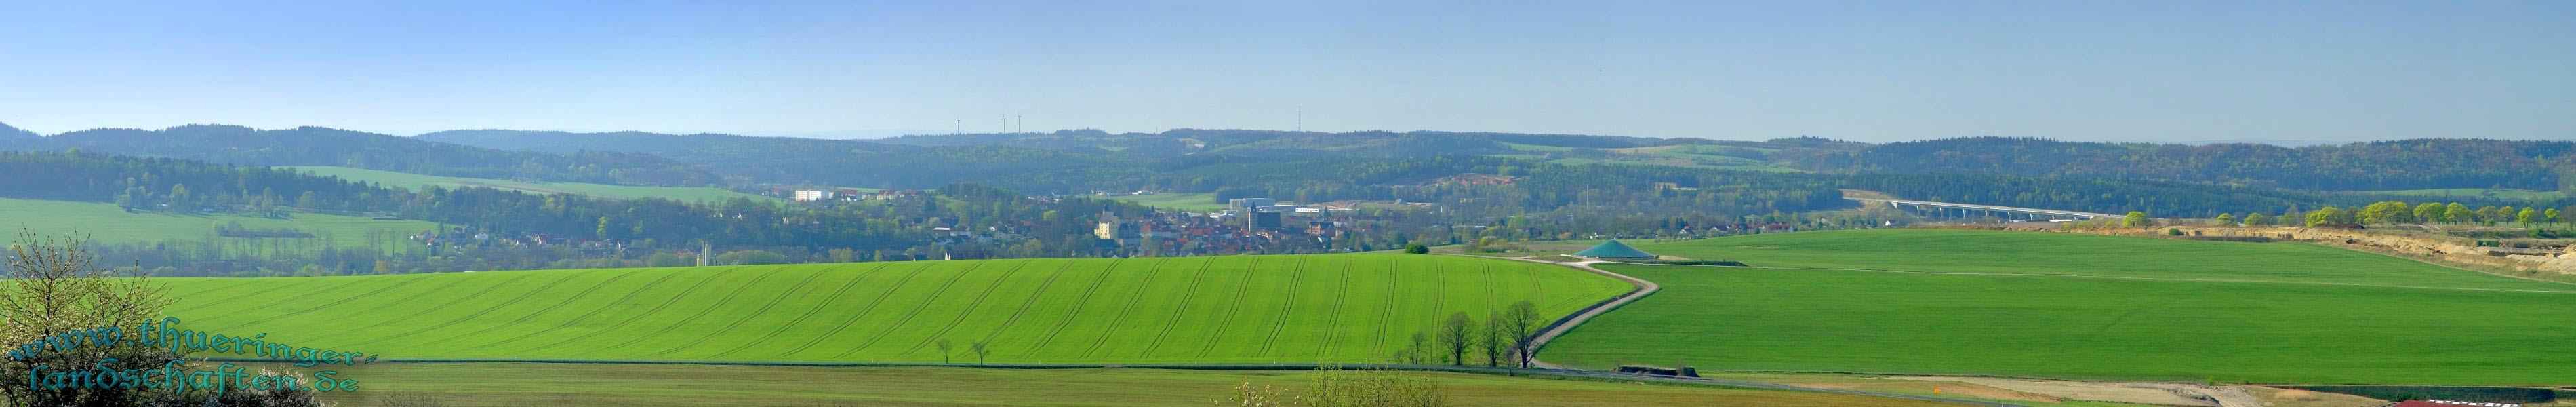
1613	250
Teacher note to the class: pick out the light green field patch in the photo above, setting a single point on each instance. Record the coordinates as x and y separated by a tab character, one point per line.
2017	252
2080	327
1535	147
106	223
1200	201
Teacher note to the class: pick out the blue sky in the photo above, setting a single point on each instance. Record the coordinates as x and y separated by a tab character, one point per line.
2183	71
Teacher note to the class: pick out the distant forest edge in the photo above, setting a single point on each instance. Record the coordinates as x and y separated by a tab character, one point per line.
2380	165
333	147
1093	159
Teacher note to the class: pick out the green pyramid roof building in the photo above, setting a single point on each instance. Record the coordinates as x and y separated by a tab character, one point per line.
1614	250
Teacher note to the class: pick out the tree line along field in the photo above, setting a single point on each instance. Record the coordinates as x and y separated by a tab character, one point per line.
2029	304
1313	308
105	223
665	384
416	182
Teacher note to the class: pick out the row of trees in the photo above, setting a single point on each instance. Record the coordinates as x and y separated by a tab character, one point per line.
1503	340
334	147
2400	212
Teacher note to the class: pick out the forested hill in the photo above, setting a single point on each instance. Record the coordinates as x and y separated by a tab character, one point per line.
1273	142
845	163
2381	165
677	146
334	147
13	133
1165	144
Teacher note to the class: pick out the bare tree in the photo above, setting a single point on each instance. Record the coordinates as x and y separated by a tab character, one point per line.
1523	319
1491	340
1414	354
943	351
55	288
1456	335
981	351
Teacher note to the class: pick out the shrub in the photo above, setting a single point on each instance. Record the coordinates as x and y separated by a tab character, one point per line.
1334	387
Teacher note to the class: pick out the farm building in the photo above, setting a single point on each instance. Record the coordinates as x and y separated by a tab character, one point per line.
1613	250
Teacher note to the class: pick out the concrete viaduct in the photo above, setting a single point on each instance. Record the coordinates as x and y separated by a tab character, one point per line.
1945	210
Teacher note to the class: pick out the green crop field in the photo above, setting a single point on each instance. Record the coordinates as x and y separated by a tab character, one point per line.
105	223
670	385
1202	201
2073	306
1205	309
1991	251
417	181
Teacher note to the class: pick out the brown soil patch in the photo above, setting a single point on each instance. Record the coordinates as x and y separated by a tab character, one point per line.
1865	194
2124	392
2279	397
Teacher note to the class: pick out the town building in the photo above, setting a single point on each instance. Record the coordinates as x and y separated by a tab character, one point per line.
812	195
1250	205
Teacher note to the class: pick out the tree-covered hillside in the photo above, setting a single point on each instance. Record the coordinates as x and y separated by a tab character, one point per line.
13	133
334	147
1274	142
2381	165
1314	167
789	160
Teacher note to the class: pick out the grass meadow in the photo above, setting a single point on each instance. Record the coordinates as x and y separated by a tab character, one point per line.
2071	306
105	223
417	181
2022	252
1347	308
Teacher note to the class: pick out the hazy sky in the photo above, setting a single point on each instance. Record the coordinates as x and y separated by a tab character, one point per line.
1875	71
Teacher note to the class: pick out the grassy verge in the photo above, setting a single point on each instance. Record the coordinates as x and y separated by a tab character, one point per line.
624	385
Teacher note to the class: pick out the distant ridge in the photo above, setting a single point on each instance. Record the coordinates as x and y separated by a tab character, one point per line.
13	133
335	147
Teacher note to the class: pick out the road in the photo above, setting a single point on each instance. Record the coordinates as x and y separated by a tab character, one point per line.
1645	288
1567	324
